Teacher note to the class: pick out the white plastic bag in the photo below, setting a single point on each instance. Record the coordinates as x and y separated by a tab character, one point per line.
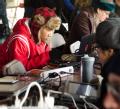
46	103
14	67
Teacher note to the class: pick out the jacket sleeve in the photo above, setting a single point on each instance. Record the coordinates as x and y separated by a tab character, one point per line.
18	50
84	24
81	26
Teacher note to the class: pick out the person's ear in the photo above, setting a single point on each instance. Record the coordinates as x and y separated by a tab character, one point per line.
98	10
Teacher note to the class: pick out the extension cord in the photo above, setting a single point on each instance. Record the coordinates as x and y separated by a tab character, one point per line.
69	70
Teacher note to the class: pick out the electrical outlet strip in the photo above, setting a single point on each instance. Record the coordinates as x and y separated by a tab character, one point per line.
69	70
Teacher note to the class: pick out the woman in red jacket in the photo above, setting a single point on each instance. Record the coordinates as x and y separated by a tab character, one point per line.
29	41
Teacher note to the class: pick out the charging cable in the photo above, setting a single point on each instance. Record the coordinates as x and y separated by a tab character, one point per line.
88	103
19	103
67	94
51	76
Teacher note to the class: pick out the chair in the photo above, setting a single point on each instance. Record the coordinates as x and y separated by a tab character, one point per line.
57	40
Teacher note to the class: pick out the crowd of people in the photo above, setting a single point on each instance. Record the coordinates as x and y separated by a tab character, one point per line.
30	40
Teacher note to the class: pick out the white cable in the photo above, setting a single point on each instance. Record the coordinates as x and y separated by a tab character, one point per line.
67	94
72	99
17	101
89	104
85	106
40	103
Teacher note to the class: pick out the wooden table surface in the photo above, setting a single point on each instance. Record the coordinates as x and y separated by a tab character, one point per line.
7	89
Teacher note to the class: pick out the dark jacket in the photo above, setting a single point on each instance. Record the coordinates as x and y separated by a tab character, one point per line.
112	66
82	26
108	66
30	6
33	3
4	27
2	7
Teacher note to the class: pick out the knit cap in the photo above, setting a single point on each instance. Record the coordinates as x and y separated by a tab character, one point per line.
45	16
108	33
107	5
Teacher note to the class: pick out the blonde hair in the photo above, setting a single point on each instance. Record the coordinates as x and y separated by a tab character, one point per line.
82	3
40	33
53	23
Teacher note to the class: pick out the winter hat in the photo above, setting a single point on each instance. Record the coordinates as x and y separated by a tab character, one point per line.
47	17
108	33
107	5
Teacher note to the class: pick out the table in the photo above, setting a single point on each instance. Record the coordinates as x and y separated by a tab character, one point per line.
71	84
8	91
20	86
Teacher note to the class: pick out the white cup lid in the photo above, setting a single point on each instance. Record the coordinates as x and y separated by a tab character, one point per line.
86	57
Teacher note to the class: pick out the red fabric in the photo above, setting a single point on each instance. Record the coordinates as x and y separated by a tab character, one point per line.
39	53
35	27
46	12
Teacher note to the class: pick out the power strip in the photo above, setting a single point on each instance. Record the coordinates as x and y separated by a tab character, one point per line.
69	70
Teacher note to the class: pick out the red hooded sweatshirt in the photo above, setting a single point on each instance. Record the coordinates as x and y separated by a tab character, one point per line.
21	46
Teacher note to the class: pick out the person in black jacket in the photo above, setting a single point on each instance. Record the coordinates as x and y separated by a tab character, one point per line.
108	49
5	30
31	5
107	40
110	89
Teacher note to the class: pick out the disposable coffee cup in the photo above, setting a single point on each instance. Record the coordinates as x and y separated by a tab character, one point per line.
87	68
